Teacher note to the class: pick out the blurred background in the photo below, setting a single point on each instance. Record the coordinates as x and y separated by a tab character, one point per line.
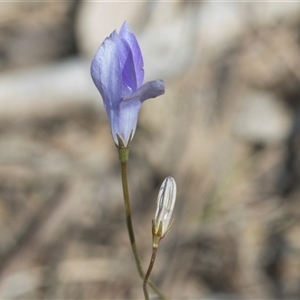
227	129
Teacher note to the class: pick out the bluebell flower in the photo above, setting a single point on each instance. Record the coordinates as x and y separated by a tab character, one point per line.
118	73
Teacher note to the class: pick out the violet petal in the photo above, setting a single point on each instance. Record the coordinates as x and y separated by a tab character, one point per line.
126	64
130	38
106	73
124	120
148	90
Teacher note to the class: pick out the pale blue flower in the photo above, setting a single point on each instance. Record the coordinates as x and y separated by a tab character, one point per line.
118	73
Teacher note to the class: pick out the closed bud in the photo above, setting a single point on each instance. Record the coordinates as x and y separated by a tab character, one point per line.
165	206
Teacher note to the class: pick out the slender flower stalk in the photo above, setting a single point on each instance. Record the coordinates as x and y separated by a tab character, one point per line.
123	153
162	222
123	156
151	265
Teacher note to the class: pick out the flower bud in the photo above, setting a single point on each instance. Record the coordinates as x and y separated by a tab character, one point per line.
165	206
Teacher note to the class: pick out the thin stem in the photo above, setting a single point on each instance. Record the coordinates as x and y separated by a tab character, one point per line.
129	219
130	227
151	264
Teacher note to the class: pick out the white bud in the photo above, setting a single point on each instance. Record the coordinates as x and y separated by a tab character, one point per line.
165	206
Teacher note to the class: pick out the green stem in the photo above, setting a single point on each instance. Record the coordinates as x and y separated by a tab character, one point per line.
129	219
123	155
151	264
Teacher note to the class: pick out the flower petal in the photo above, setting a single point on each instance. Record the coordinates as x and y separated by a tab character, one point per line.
126	64
148	90
123	121
130	38
106	73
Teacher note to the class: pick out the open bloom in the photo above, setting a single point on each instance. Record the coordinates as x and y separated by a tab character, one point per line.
118	73
164	210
